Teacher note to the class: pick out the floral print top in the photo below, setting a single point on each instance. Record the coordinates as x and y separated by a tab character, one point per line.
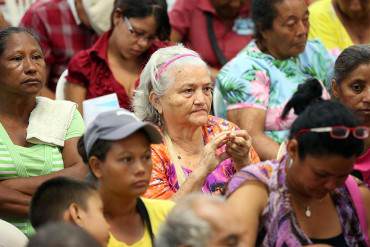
279	226
258	80
163	184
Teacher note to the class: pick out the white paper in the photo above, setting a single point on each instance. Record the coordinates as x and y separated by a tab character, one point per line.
92	107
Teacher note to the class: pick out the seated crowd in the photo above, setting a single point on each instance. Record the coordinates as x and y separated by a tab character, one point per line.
253	132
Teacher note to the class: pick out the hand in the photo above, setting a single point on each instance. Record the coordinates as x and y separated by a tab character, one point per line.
238	146
211	156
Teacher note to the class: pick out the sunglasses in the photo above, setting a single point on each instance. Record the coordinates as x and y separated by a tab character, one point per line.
339	132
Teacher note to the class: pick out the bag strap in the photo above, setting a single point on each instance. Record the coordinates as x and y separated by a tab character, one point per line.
140	206
212	38
356	197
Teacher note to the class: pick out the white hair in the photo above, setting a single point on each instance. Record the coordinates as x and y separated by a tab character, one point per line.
158	82
183	227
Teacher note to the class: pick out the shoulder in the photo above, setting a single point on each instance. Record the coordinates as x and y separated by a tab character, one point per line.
158	209
260	172
320	8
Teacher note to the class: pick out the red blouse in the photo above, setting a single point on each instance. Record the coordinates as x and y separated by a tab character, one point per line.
89	68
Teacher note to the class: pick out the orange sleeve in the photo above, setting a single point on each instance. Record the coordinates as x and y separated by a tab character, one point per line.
159	186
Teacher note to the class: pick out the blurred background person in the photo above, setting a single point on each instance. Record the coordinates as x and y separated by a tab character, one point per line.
38	136
64	29
259	81
340	23
200	152
59	234
216	29
114	63
200	220
307	197
351	86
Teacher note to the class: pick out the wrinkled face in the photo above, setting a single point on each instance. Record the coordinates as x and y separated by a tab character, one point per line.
316	176
188	100
354	8
288	35
354	92
133	36
228	9
225	230
22	65
127	168
93	220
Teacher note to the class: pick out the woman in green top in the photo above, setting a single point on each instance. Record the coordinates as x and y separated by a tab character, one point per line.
38	136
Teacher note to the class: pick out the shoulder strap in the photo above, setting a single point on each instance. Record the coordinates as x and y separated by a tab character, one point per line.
212	38
145	216
356	197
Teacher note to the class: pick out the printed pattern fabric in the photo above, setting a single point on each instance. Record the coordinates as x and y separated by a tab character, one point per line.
164	181
257	80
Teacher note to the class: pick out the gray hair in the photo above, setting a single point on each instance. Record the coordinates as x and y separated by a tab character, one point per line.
150	80
183	227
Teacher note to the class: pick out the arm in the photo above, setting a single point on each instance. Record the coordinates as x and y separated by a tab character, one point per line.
365	193
13	202
248	203
73	167
253	120
75	93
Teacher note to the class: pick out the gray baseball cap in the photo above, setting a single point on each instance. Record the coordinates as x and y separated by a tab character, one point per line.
116	125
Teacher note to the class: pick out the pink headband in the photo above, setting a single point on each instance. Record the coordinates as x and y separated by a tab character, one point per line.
164	66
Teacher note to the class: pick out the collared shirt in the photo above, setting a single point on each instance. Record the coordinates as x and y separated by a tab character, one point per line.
72	6
255	79
90	69
187	17
60	35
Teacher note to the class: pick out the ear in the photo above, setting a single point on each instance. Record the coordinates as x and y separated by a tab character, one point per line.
155	101
95	166
335	88
292	149
73	214
117	16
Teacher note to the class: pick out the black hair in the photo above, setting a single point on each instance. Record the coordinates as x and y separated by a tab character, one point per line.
54	196
7	32
145	8
60	234
349	60
315	112
263	14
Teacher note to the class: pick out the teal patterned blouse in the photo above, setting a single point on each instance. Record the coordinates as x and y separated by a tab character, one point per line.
258	80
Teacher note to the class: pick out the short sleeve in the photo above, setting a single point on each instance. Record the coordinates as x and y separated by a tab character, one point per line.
33	21
79	69
180	15
77	127
159	186
243	85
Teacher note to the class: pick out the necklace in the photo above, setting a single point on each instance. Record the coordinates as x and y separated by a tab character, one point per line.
307	212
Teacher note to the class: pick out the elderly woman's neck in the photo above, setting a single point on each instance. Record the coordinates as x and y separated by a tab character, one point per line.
17	106
187	138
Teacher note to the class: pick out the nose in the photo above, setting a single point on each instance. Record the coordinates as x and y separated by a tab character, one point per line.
200	97
366	96
143	42
302	28
140	168
331	184
29	66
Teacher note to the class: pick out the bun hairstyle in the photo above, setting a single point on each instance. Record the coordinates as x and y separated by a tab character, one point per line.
314	112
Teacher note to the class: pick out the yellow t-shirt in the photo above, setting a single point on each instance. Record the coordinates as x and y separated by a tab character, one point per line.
326	26
157	210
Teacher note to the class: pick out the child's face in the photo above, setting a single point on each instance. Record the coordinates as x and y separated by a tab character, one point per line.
93	221
127	168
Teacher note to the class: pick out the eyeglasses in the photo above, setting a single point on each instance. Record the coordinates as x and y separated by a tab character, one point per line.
137	35
339	132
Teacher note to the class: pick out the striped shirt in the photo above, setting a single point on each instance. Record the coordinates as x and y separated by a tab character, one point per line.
36	160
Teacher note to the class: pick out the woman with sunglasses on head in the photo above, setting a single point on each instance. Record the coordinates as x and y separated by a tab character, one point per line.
351	86
308	196
113	64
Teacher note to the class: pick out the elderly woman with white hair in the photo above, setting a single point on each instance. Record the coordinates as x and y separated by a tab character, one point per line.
200	152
